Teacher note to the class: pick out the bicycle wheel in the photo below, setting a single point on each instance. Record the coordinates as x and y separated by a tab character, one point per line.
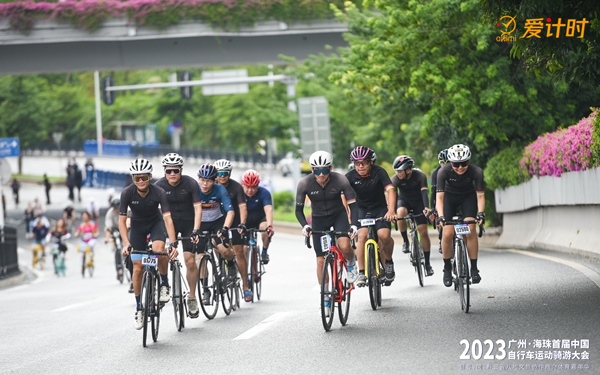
373	281
226	287
177	295
119	265
253	274
417	258
208	284
90	262
463	277
146	298
156	305
237	293
259	274
328	278
344	304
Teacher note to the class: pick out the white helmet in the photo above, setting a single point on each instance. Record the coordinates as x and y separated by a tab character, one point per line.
140	166
458	153
223	165
172	160
320	159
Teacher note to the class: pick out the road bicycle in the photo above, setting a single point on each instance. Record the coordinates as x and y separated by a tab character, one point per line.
122	273
58	256
211	283
373	269
179	294
256	268
39	255
228	284
87	260
460	260
150	295
416	256
335	288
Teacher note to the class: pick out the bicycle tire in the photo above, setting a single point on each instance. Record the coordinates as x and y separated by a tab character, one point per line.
177	295
146	298
119	265
226	287
344	304
238	294
328	292
260	272
253	271
373	282
156	306
416	253
208	281
463	277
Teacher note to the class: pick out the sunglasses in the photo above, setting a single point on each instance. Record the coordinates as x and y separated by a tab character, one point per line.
324	171
141	178
172	171
222	174
461	164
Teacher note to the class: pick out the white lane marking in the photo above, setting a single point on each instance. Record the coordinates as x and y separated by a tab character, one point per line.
591	274
76	305
263	325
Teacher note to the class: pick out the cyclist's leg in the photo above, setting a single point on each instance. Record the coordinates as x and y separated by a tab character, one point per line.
402	211
266	241
469	207
426	245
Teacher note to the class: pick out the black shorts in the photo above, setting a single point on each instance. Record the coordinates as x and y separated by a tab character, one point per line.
185	228
141	229
466	204
414	207
255	222
235	236
212	226
338	221
375	214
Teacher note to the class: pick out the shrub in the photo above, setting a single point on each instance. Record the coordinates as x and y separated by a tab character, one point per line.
284	200
504	170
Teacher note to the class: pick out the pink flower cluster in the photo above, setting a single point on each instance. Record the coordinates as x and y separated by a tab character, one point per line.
564	150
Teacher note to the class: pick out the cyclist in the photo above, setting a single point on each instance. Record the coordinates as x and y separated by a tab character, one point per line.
460	188
259	204
442	159
39	234
88	230
69	216
183	195
111	224
215	200
411	184
325	189
375	195
143	199
59	234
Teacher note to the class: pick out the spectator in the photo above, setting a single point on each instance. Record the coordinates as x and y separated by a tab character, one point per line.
78	182
71	181
38	208
28	216
89	172
4	206
16	186
47	186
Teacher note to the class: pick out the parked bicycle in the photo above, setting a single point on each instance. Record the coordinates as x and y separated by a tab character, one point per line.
335	288
460	260
416	255
150	295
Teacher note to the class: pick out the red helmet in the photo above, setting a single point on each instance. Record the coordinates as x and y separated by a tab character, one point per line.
250	178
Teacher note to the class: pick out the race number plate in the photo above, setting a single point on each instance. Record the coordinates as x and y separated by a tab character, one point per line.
462	229
367	222
150	260
325	241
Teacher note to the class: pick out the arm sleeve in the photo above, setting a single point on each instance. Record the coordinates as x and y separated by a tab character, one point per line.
441	181
433	187
479	184
300	197
424	191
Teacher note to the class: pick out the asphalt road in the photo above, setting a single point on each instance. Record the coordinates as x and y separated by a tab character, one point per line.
529	314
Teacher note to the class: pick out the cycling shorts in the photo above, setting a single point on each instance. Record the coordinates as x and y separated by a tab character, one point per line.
466	204
185	228
212	226
140	230
416	208
338	221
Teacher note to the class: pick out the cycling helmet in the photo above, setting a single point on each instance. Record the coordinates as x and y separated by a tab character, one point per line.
250	178
403	162
362	153
443	156
115	202
172	160
320	159
140	166
458	153
207	171
223	165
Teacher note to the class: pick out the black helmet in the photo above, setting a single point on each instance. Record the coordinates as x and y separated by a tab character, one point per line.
115	202
403	162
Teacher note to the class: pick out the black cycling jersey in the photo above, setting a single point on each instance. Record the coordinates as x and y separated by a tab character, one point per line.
182	198
236	193
144	209
370	190
434	186
413	189
325	201
450	182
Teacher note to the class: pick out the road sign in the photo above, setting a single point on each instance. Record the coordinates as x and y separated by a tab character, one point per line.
10	147
315	132
225	89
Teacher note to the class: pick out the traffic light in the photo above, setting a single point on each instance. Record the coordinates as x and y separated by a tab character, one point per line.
186	91
108	97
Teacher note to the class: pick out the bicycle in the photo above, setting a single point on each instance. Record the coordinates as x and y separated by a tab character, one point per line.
210	281
39	255
256	268
119	260
416	256
373	270
150	295
335	287
460	260
58	257
87	260
179	294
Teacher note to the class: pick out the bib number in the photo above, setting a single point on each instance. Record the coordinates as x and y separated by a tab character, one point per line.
462	229
150	260
325	242
367	222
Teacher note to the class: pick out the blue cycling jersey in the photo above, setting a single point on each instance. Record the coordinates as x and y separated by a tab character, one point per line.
215	203
256	204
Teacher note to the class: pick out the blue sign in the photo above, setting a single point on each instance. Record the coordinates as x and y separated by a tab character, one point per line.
9	147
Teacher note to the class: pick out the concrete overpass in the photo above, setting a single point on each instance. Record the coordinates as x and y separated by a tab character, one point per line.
52	47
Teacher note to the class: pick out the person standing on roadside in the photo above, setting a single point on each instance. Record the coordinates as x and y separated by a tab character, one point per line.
47	186
15	186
